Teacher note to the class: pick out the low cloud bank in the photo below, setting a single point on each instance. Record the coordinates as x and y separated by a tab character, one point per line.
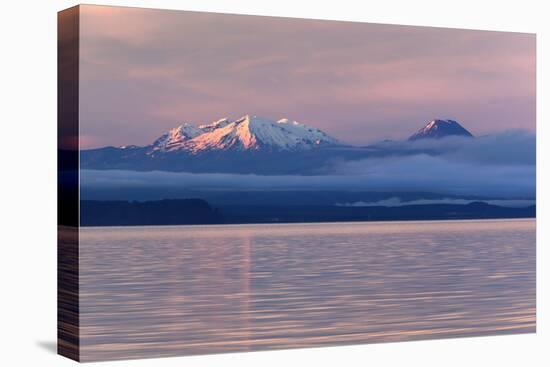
401	175
396	201
510	147
496	166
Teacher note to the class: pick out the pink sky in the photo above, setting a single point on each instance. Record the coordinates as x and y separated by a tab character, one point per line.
145	71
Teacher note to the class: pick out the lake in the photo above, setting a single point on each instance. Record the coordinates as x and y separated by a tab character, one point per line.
181	290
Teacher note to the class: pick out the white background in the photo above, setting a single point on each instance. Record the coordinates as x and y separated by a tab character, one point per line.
28	182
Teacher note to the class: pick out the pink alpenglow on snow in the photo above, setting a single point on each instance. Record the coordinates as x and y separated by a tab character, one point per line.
246	133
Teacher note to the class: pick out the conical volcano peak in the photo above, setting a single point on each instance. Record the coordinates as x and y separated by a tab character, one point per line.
440	128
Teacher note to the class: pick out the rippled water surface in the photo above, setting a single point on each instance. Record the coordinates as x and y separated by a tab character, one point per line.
163	291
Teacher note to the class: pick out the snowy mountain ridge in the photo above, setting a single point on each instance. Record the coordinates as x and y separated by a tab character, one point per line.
246	133
253	144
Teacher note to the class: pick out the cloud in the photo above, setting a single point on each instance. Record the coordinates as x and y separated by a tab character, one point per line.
497	166
411	174
436	174
501	164
397	201
511	147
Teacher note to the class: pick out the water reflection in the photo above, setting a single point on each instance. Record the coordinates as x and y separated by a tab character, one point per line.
162	291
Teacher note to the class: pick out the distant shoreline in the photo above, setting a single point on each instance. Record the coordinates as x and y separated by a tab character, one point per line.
199	212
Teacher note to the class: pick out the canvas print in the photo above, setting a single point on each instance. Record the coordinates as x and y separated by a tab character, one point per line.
241	183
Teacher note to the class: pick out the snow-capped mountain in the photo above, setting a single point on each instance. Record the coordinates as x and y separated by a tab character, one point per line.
255	145
437	128
246	133
177	137
215	125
